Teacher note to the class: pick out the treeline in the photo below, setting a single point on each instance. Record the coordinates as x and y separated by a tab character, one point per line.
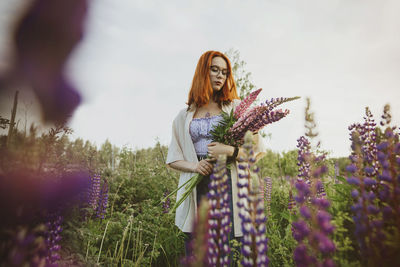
55	150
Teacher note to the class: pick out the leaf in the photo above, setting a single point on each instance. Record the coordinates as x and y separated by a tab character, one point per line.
341	178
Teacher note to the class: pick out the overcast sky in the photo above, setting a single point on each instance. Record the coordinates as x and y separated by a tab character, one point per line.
136	63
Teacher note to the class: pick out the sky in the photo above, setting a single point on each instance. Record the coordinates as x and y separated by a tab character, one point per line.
136	62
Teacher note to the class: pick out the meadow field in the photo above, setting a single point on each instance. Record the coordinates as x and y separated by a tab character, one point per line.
90	206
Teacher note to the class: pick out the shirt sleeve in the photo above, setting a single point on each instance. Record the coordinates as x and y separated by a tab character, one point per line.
175	152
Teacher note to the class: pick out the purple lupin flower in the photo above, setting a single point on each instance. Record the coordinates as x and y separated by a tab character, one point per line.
245	103
267	194
313	228
23	194
361	175
386	214
103	201
251	209
166	204
44	38
219	215
304	152
367	135
94	191
53	236
25	246
199	245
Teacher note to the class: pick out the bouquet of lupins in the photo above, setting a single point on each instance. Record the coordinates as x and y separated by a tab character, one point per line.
233	127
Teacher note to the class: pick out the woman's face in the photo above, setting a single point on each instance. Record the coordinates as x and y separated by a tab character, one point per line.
218	73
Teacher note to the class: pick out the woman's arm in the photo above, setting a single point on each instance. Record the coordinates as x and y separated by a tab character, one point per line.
204	167
215	149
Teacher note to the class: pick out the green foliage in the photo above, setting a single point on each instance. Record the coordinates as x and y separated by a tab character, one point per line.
343	237
280	241
135	231
242	77
220	132
277	165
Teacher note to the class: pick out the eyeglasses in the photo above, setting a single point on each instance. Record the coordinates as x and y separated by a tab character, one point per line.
215	70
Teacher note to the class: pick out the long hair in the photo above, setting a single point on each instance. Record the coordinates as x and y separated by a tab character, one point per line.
201	90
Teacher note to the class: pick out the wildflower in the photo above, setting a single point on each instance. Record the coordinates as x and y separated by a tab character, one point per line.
44	38
267	194
199	245
102	201
311	231
94	191
52	236
251	210
374	192
245	103
219	215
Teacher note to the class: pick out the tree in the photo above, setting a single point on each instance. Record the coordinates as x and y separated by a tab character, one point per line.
242	77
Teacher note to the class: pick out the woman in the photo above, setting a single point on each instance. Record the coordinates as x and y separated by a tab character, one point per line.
213	90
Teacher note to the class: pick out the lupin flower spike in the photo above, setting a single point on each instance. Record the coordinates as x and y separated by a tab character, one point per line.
362	174
245	103
251	209
219	215
311	230
103	200
267	194
199	246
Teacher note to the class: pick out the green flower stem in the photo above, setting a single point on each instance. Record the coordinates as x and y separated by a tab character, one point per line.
176	190
191	184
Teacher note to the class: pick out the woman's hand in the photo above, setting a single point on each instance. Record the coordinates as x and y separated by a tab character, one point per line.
215	149
204	167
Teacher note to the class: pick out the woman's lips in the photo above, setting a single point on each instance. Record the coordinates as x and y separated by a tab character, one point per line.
218	83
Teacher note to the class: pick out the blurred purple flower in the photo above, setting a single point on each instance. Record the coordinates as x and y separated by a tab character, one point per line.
219	215
251	210
52	236
23	195
44	38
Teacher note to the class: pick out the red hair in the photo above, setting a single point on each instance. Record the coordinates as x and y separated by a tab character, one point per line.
201	90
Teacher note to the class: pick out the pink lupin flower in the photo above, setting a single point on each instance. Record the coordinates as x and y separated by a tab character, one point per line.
245	103
254	120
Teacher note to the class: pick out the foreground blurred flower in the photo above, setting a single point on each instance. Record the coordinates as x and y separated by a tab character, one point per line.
44	38
23	195
52	236
219	215
251	209
23	246
199	245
